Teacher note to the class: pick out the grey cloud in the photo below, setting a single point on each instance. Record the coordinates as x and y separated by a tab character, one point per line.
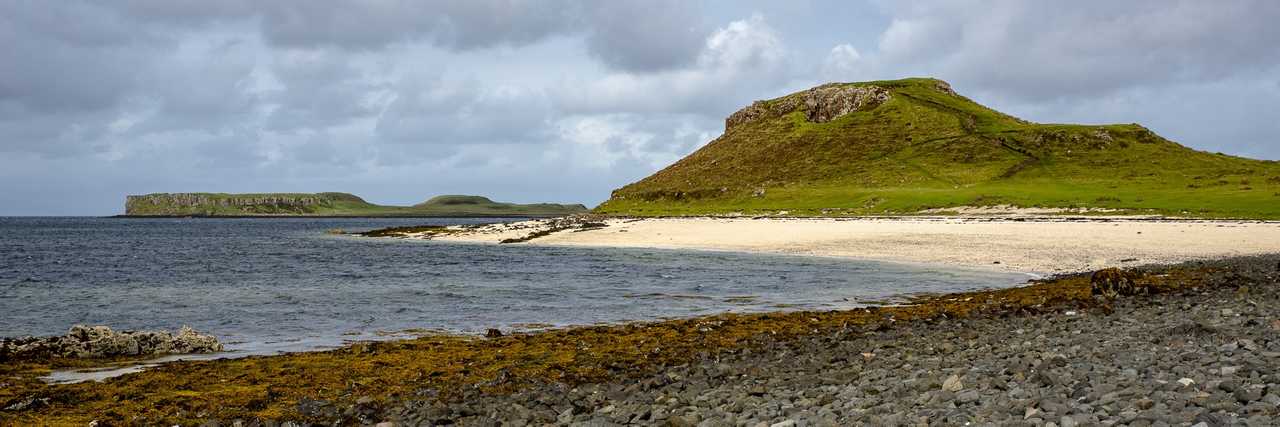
89	62
525	101
453	24
645	35
743	60
1040	50
320	89
465	113
631	35
44	73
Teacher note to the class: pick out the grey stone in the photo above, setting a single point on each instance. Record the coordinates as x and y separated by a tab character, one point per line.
952	384
101	341
1246	395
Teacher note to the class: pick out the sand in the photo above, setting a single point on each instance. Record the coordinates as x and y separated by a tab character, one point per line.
1042	246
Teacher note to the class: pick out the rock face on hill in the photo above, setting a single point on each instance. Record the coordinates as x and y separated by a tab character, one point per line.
100	341
913	145
820	104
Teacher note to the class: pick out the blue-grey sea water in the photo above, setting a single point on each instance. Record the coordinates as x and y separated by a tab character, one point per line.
286	284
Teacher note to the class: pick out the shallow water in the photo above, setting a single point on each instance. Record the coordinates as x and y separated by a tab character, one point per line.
269	285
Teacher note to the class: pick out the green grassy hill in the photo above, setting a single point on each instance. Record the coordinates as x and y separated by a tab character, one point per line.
327	204
904	146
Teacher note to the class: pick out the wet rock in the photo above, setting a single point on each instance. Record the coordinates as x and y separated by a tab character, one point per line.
26	404
101	341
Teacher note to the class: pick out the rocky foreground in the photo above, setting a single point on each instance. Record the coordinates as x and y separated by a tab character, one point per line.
1202	349
1203	357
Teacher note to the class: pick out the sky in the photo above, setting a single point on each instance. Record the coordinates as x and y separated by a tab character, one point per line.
559	101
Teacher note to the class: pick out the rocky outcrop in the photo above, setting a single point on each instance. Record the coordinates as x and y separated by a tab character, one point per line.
944	87
825	103
100	341
761	110
181	203
820	104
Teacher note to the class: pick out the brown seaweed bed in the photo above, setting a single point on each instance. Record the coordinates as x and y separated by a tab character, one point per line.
448	367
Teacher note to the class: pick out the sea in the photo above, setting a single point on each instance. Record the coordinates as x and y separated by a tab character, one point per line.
288	284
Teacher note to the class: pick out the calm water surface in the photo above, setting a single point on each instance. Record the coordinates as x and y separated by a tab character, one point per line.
268	285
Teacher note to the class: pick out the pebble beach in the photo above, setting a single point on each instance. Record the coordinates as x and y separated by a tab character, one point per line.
1208	356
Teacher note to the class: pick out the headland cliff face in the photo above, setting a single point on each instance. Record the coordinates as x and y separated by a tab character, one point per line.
227	204
328	204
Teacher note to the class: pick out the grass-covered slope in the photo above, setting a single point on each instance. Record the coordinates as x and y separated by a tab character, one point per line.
903	146
327	204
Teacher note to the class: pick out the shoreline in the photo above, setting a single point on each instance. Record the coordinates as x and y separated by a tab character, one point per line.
467	379
1045	246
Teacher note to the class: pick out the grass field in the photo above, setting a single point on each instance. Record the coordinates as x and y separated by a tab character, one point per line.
928	148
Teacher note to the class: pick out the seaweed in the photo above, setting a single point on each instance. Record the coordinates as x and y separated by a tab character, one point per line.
430	230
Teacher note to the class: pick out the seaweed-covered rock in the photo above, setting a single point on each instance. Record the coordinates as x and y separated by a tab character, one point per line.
101	341
1113	282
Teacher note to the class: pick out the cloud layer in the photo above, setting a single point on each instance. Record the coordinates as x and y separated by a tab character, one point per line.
557	101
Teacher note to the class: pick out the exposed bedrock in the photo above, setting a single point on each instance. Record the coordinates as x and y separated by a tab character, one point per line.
101	341
820	104
149	203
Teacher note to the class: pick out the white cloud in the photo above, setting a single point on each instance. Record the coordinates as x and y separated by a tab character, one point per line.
737	63
843	63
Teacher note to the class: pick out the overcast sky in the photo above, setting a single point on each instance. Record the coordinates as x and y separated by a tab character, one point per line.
553	100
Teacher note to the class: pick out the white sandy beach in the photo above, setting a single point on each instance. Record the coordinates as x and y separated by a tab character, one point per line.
1032	245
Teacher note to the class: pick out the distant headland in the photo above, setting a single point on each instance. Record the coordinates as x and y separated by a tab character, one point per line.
328	205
